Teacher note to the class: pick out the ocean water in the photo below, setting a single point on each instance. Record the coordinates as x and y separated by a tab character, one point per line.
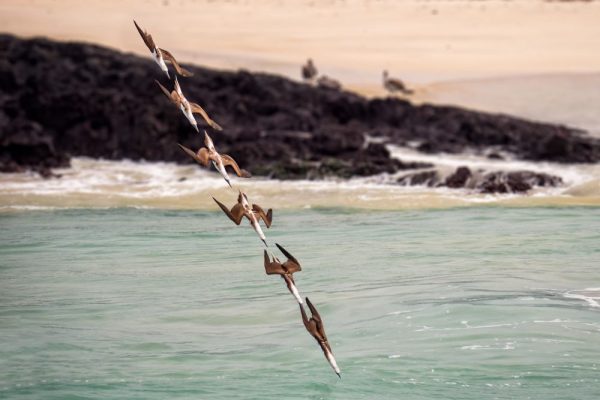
461	303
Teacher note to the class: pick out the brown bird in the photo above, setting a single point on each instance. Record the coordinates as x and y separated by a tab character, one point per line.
329	83
242	209
315	327
286	270
309	71
159	55
207	154
188	109
395	85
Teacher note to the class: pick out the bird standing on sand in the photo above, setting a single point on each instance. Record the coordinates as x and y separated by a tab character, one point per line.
188	109
207	154
395	85
159	55
329	83
242	209
314	326
309	71
286	270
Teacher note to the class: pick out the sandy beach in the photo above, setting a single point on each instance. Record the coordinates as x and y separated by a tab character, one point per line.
420	41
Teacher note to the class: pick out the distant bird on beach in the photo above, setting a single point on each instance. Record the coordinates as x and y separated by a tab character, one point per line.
160	55
395	85
286	270
188	109
207	154
315	327
309	71
326	82
254	214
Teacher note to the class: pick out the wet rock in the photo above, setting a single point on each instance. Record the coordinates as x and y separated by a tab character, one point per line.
459	178
426	178
516	182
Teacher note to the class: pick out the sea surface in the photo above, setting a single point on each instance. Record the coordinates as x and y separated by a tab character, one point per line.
479	302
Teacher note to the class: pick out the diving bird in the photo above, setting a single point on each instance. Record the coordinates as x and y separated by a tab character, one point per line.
188	109
395	85
254	214
286	270
160	55
309	71
209	154
314	326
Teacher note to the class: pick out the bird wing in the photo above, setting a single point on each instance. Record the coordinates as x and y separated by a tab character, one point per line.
305	319
227	160
201	157
272	267
398	83
318	321
146	37
292	265
180	70
236	213
172	96
196	109
268	217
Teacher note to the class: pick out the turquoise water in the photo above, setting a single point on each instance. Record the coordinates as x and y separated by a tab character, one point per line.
472	303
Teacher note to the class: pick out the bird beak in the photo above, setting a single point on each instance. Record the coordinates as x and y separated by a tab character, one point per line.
196	127
339	375
265	242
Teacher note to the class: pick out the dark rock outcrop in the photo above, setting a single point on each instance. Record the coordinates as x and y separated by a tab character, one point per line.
59	100
459	178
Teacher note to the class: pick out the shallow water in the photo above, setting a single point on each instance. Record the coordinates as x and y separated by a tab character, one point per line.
464	303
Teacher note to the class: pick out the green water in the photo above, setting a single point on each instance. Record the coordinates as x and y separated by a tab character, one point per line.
474	303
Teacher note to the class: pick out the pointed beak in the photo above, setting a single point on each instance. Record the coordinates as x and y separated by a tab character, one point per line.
196	127
265	242
229	183
339	375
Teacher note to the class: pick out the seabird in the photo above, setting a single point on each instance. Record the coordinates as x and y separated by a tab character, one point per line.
395	85
314	326
159	55
188	109
207	154
242	209
286	270
309	71
326	82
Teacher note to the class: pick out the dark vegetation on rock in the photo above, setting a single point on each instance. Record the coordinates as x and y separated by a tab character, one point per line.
59	100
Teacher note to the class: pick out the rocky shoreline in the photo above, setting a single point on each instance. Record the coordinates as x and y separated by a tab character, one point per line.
59	100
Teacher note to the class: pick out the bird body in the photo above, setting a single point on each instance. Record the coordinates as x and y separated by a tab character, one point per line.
160	55
187	108
209	154
329	83
309	71
395	85
253	213
285	270
315	327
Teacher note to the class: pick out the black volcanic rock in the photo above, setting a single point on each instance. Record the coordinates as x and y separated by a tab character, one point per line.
459	178
70	99
515	182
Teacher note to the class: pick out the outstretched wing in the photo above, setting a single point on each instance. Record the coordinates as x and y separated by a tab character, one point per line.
196	109
236	213
146	37
180	70
227	160
201	157
272	267
268	217
292	265
166	92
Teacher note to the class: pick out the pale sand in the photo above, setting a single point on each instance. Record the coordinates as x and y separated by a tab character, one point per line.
420	41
